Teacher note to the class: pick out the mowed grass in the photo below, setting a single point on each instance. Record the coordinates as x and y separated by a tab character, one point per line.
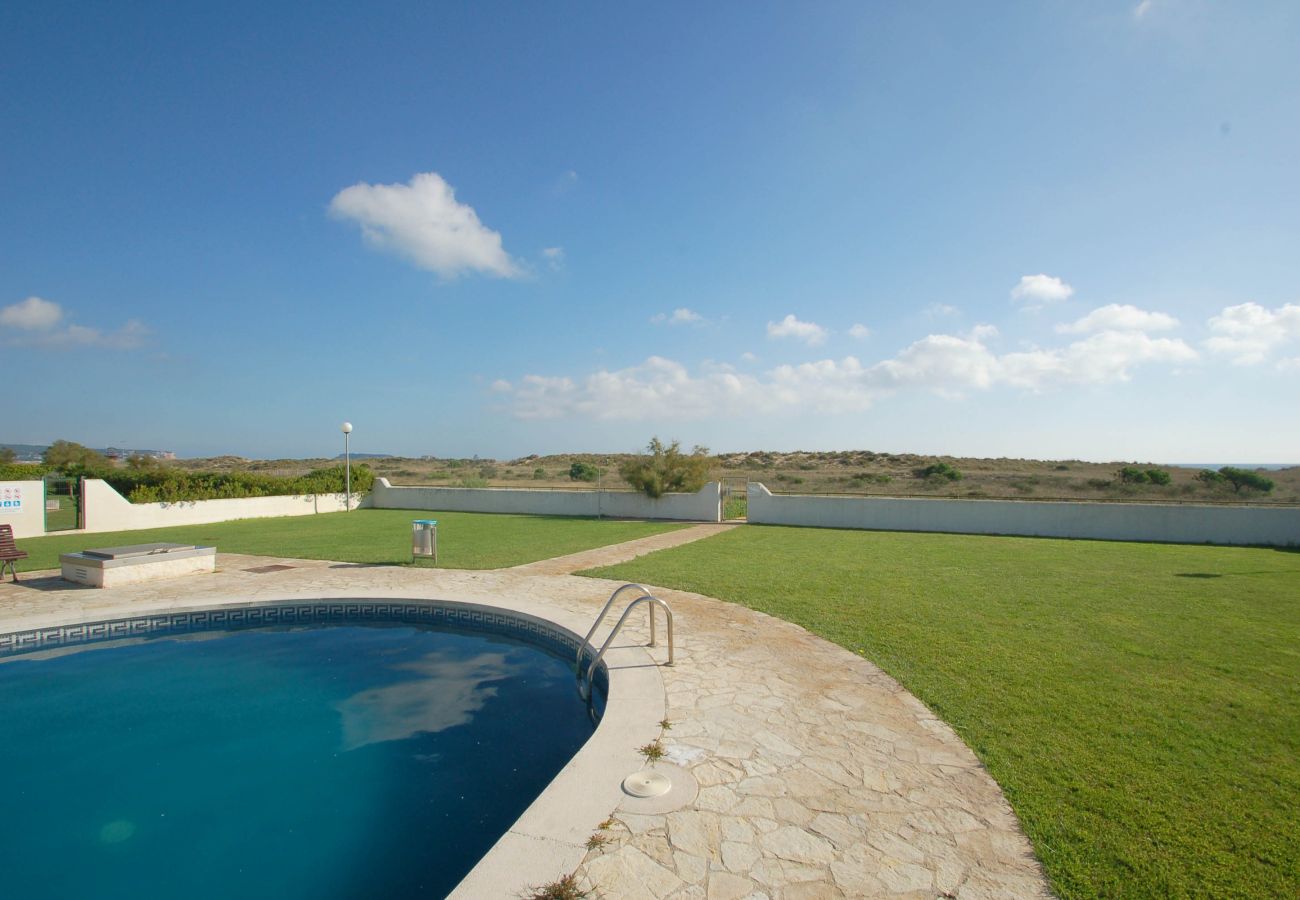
465	540
1139	704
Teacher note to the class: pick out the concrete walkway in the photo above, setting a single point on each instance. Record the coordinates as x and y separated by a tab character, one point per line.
818	775
617	553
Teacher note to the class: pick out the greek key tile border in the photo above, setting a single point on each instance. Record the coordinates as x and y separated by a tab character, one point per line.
314	612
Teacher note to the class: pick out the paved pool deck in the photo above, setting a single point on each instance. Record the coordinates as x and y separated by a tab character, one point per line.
808	772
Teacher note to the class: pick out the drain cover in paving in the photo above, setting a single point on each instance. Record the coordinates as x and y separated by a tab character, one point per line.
263	570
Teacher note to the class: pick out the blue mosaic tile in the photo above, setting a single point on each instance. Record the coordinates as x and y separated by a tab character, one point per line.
498	622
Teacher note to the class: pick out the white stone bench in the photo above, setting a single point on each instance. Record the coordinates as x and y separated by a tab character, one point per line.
116	566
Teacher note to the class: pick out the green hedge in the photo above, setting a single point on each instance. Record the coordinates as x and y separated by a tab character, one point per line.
23	471
170	486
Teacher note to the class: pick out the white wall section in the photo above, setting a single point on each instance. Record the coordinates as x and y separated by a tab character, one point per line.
1169	522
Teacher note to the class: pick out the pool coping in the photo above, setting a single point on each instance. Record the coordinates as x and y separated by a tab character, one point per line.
549	839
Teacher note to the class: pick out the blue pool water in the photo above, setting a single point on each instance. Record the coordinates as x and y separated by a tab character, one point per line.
321	761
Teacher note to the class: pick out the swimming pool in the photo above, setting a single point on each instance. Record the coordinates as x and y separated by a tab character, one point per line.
323	749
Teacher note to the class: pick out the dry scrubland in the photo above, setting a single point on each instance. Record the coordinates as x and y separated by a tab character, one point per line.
833	472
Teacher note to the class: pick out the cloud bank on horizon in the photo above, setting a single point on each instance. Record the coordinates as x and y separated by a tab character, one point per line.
1116	340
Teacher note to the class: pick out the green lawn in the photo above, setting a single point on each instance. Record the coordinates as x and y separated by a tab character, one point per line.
1138	703
465	540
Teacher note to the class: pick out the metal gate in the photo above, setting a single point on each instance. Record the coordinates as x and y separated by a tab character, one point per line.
63	503
735	499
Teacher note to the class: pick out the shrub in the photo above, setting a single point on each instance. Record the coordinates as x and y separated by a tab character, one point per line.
1245	478
1210	477
940	469
539	474
1134	475
871	478
667	470
581	471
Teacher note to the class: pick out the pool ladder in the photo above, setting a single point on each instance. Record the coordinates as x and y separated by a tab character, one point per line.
584	684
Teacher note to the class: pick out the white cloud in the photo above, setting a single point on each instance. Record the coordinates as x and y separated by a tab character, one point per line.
679	316
43	324
32	314
500	386
423	221
941	310
1249	333
656	388
950	365
810	333
1119	317
1036	291
554	257
565	183
1142	9
749	357
859	331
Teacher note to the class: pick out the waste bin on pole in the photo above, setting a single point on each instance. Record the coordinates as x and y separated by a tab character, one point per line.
424	539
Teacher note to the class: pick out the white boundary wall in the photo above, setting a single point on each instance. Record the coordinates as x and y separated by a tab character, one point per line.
1170	523
702	506
28	520
107	510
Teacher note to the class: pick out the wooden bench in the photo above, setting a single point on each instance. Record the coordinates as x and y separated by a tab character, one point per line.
9	552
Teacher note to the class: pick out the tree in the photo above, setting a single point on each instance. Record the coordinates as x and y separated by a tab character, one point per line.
65	455
138	462
1245	478
7	455
667	469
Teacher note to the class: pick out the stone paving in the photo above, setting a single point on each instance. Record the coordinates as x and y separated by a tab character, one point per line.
819	776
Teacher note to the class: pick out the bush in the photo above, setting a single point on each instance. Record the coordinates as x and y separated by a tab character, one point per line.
1132	475
941	470
1158	476
539	474
1245	478
581	471
871	478
665	470
1210	477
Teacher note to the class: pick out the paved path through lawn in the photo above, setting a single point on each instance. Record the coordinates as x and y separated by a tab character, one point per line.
617	553
818	775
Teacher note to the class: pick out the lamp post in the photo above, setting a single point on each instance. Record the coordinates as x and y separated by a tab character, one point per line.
347	468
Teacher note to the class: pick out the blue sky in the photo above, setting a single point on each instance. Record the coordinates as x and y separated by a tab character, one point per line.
1024	229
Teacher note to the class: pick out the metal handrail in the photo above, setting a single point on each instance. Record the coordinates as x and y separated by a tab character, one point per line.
647	598
586	642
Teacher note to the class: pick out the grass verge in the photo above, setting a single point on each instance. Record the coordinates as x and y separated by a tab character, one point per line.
465	540
1139	704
